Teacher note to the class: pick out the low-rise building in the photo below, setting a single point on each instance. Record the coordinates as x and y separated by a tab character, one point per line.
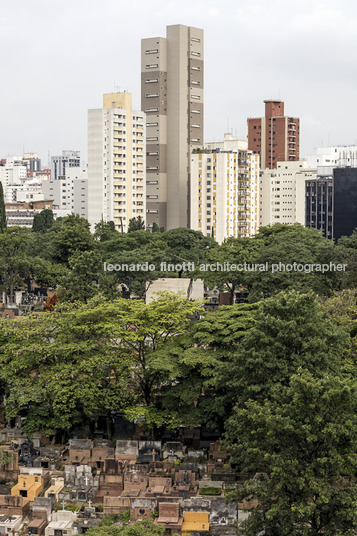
169	517
30	484
10	524
196	523
22	213
62	524
57	485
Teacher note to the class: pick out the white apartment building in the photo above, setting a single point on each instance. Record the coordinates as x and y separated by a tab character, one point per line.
116	162
69	193
224	190
12	173
282	192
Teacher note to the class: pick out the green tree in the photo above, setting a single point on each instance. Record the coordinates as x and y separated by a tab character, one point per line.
140	528
68	236
3	223
136	224
91	359
303	441
145	332
81	282
288	244
187	246
201	361
156	228
63	367
15	261
290	331
104	231
43	221
232	251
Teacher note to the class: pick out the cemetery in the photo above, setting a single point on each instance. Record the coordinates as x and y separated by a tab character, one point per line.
63	490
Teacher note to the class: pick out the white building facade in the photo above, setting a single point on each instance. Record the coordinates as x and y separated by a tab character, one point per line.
68	193
116	162
282	193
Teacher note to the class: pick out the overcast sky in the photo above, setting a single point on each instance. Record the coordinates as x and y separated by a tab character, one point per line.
59	56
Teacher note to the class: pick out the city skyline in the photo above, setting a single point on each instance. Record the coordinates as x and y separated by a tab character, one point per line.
57	64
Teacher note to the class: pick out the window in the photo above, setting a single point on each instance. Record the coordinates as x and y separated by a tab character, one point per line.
152	51
195	39
152	66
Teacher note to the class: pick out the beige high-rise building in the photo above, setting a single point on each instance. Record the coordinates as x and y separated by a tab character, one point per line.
172	98
116	162
225	189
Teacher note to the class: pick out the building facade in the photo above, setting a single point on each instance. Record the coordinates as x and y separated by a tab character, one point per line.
331	203
336	156
116	162
282	193
275	137
69	193
13	173
224	190
172	98
60	164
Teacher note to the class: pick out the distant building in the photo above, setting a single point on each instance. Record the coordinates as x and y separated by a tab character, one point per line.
22	213
319	205
32	162
172	97
68	193
331	203
282	193
336	156
60	164
12	173
224	189
275	137
116	162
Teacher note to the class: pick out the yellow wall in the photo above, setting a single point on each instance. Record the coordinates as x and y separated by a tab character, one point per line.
31	483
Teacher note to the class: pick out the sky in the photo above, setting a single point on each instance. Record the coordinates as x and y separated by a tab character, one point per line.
59	56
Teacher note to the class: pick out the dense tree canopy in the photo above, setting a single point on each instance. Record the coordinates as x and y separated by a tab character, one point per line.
140	528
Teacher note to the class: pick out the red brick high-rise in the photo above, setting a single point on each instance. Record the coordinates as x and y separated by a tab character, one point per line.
275	137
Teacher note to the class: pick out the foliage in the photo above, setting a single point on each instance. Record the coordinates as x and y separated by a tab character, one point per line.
89	359
201	361
209	490
6	456
136	224
287	244
290	331
81	281
68	236
43	221
3	223
104	231
303	439
62	367
140	528
232	251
